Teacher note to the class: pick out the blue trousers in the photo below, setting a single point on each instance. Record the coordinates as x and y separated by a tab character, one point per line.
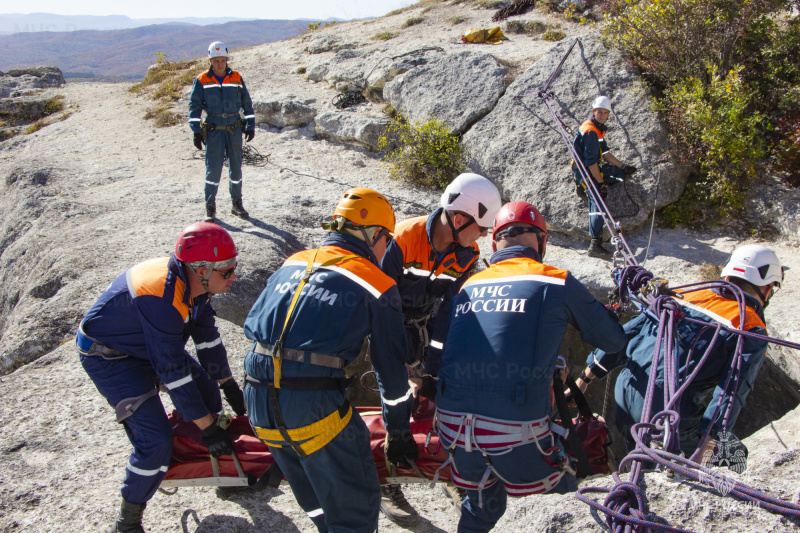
337	486
524	464
629	393
147	428
611	176
219	144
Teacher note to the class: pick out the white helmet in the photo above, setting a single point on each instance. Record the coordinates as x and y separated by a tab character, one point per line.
474	195
602	102
217	49
755	263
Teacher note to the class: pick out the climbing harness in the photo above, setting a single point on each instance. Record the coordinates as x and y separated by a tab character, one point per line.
492	437
656	437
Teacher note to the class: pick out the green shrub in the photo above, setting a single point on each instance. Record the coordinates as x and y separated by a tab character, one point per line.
427	153
163	116
455	21
300	70
715	128
553	35
413	21
33	128
533	27
492	4
384	36
54	105
313	26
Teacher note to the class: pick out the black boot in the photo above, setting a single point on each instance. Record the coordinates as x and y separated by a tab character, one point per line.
596	249
238	209
396	508
211	212
129	519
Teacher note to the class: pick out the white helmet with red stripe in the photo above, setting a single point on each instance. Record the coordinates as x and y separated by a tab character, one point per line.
755	263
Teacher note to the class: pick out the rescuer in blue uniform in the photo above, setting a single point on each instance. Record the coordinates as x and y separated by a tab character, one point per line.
605	169
132	341
758	272
493	401
309	322
430	258
221	93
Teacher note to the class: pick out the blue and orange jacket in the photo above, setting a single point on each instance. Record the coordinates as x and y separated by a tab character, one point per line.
506	328
423	279
590	142
340	306
710	306
148	313
220	99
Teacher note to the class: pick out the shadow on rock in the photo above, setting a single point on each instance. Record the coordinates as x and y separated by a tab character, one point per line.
262	516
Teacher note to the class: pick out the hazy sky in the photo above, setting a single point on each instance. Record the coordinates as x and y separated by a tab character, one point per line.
263	9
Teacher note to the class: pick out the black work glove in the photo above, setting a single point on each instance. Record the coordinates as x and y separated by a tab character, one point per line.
217	441
401	448
198	141
249	134
234	396
603	191
630	170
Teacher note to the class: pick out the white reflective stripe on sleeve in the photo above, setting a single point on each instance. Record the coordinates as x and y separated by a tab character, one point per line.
209	344
595	213
129	282
417	271
194	120
231	84
436	344
315	513
235	182
212	183
400	400
527	277
249	116
145	472
178	383
597	363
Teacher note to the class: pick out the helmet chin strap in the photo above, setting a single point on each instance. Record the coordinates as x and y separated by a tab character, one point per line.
453	228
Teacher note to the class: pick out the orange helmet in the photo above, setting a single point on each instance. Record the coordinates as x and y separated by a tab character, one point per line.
365	207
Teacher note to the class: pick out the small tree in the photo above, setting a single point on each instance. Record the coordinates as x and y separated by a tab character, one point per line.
426	154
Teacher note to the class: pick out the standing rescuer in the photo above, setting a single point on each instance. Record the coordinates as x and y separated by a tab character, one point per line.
132	340
221	93
493	401
310	321
430	258
605	169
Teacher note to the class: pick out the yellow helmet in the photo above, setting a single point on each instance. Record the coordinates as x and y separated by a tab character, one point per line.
366	207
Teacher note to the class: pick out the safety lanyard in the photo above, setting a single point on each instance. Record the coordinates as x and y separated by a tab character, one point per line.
276	350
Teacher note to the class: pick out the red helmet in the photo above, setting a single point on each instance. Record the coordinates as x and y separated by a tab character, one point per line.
206	242
518	212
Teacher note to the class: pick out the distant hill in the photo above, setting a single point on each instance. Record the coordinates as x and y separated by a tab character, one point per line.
36	22
128	53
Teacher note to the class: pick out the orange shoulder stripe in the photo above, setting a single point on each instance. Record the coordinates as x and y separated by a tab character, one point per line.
721	309
150	278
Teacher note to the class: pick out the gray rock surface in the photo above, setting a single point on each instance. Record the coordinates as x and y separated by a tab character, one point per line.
85	198
352	128
458	89
518	147
283	112
389	67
